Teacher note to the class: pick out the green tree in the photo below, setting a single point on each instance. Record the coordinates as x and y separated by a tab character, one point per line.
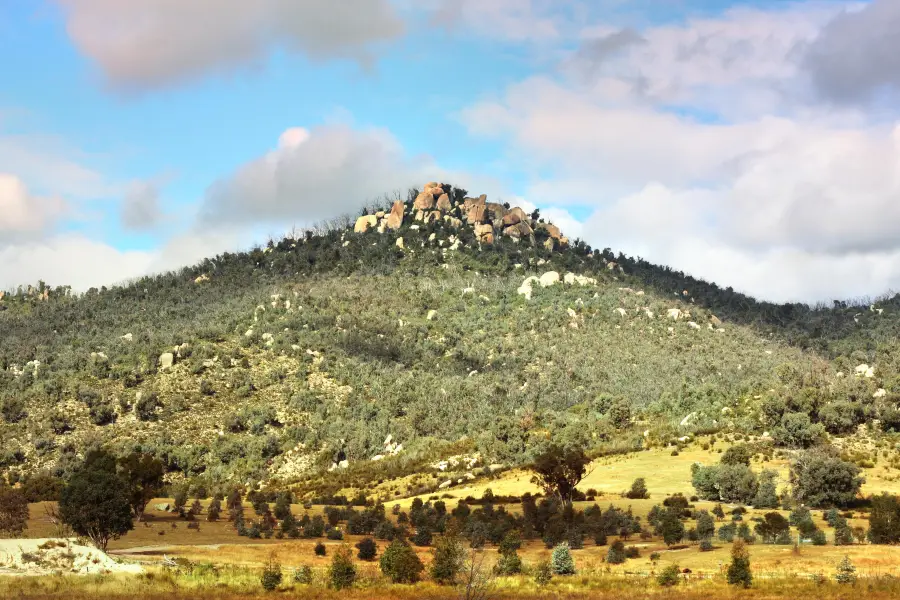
616	553
400	562
884	519
846	572
13	511
543	573
95	503
366	549
820	478
561	560
739	569
767	493
143	475
772	527
271	575
559	470
739	454
448	556
342	573
670	527
669	577
638	490
706	526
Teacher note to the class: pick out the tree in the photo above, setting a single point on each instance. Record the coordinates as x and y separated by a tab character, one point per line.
342	573
543	573
767	492
796	430
669	577
638	490
670	526
739	569
846	572
13	511
144	476
447	559
616	553
739	454
561	560
214	510
737	484
366	549
400	563
95	503
772	527
706	526
884	519
558	471
271	575
822	479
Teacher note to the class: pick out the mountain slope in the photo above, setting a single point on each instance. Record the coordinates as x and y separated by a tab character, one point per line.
279	362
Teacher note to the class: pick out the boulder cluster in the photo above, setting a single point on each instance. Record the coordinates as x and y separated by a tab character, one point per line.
488	220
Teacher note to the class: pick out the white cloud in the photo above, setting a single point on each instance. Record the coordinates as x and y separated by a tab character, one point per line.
70	259
21	212
318	173
140	209
510	20
855	57
142	44
743	182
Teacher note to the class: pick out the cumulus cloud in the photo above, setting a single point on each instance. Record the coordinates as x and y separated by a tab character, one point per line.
68	260
318	173
22	213
143	44
510	20
140	210
692	149
855	57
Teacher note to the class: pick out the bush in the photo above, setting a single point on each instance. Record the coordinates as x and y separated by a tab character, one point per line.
638	490
13	511
303	575
508	564
616	553
342	573
319	549
561	560
271	575
739	454
846	572
706	545
447	559
400	563
739	568
669	577
335	534
366	549
422	537
543	573
822	479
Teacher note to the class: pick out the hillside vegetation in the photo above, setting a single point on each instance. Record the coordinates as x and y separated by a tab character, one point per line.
345	344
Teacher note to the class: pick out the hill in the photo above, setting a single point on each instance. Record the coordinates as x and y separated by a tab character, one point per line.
442	326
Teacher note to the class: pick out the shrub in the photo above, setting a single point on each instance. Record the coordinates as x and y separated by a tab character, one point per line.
422	537
366	549
342	572
616	553
822	479
319	549
508	564
447	559
13	511
303	575
561	560
884	520
818	538
335	534
739	568
632	552
739	454
669	577
271	575
846	572
400	563
638	490
543	573
706	545
146	407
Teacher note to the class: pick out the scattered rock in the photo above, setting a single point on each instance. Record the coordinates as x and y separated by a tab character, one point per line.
549	278
399	242
364	223
166	360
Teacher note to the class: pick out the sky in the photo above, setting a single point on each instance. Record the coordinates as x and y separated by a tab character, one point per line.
754	144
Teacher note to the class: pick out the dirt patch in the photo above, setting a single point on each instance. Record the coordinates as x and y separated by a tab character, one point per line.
45	556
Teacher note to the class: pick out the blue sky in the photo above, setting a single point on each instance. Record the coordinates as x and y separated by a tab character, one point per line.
140	136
